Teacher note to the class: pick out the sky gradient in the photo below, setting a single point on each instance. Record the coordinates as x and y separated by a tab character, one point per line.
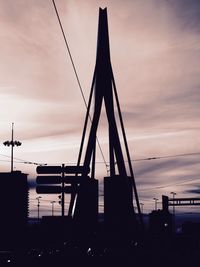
155	54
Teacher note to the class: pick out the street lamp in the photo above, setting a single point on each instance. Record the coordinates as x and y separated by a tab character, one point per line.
12	143
52	203
156	202
38	205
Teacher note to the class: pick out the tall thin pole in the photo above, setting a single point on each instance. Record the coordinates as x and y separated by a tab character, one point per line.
52	202
12	145
38	209
63	193
38	206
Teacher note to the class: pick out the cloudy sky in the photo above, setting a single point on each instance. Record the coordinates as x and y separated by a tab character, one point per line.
155	54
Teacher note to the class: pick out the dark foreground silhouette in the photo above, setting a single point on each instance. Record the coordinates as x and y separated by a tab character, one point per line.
49	248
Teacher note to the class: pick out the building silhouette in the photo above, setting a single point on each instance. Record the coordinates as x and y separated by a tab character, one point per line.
14	199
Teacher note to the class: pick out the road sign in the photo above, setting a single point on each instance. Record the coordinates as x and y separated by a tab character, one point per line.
77	169
49	169
75	179
60	169
48	179
42	189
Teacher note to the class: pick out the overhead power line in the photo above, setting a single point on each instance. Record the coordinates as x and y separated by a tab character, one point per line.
169	185
17	160
169	156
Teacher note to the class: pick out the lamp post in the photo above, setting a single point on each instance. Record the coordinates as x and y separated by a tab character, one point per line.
38	205
12	143
52	203
156	202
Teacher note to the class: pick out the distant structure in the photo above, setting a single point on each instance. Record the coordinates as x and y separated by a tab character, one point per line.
178	202
119	186
14	199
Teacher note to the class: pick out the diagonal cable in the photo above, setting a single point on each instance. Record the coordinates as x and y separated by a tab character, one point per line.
76	74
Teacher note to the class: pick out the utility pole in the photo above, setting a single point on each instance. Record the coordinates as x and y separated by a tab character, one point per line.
12	143
52	203
156	202
38	206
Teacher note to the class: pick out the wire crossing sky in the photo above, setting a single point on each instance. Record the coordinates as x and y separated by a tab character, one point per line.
77	78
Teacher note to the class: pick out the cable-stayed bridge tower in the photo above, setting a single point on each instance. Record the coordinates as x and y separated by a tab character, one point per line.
119	187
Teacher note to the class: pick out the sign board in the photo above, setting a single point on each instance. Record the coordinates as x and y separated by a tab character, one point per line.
75	179
77	169
42	189
49	169
48	179
60	169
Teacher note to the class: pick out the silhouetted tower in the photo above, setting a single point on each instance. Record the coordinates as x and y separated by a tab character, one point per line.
118	187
